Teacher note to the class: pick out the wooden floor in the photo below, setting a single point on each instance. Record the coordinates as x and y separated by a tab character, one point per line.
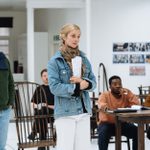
12	141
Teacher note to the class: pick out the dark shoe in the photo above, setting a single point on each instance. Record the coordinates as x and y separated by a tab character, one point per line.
41	148
148	133
31	136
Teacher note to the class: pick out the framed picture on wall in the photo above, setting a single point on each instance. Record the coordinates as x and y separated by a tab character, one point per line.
131	47
147	58
120	58
120	47
137	70
136	58
139	46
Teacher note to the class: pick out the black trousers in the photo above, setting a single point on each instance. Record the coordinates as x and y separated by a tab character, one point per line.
40	125
106	130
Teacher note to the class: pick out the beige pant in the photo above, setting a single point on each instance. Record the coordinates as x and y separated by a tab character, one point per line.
73	132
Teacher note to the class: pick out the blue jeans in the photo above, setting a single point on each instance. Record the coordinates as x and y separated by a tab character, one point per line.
4	122
106	130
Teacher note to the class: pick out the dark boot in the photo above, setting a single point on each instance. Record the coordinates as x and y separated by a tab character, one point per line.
41	148
148	133
31	136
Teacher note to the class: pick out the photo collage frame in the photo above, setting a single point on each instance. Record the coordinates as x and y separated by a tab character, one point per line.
136	54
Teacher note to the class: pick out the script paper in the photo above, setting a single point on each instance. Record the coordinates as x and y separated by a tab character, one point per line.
76	66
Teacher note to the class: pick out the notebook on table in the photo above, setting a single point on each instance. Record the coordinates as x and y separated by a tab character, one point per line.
124	110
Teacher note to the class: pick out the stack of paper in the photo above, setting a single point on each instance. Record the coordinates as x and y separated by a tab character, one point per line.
76	66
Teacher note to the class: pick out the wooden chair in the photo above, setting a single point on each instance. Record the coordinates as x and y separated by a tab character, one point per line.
26	119
144	96
144	91
94	119
123	140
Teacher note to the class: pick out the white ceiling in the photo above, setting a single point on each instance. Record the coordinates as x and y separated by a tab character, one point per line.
6	5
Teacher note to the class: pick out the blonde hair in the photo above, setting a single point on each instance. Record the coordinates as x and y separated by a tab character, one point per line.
67	29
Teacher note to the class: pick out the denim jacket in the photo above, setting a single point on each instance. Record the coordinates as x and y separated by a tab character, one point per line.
59	74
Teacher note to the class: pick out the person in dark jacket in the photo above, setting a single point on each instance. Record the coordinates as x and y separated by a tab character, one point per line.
7	97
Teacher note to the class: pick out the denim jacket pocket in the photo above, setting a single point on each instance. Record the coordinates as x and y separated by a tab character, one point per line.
64	75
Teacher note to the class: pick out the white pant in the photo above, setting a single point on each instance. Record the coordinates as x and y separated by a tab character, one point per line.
73	132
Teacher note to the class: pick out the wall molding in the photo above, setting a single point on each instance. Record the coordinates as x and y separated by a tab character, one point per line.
55	4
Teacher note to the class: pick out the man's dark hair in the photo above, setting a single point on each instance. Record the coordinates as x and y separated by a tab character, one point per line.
112	78
44	70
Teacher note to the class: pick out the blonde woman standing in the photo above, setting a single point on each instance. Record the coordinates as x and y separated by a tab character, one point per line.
72	106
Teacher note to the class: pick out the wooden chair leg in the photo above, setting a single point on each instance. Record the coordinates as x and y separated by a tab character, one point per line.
48	148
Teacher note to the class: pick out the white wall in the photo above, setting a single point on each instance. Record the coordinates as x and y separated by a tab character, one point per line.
52	20
119	21
40	51
19	27
112	21
41	54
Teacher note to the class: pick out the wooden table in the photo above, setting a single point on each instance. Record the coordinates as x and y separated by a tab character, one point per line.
139	117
